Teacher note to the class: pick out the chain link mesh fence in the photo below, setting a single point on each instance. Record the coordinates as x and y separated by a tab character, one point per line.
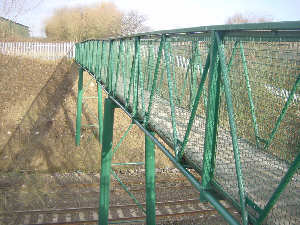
158	77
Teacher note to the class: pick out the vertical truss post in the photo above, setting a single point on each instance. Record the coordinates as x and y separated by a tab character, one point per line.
249	91
211	118
171	94
150	180
106	157
79	106
195	106
233	129
100	112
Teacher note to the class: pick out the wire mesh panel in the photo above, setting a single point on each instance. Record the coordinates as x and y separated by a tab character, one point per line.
225	98
262	76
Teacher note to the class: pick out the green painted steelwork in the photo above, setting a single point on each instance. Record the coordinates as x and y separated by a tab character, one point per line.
242	138
194	181
122	139
195	106
171	96
283	112
127	191
249	94
100	112
150	180
106	157
283	183
233	130
154	82
210	132
79	106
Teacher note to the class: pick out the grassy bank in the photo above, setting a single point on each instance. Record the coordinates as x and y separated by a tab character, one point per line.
38	120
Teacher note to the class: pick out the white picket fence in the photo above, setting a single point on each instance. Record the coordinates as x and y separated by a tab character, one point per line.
40	50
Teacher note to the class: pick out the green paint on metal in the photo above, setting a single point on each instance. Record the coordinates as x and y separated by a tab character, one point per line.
161	80
127	191
171	96
153	89
121	53
172	70
195	107
286	25
216	121
133	77
252	108
150	180
106	157
123	70
221	209
185	83
194	181
232	129
136	77
122	139
110	69
283	183
195	64
232	56
100	113
127	71
283	112
217	187
150	65
253	205
141	85
209	143
267	59
79	106
103	52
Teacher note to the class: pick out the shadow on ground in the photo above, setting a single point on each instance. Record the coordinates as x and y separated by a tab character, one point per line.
42	139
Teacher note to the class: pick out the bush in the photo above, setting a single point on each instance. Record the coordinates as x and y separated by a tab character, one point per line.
98	22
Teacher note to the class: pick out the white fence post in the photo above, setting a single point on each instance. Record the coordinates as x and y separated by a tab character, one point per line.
46	51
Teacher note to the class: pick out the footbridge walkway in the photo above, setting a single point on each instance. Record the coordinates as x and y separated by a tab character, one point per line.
224	99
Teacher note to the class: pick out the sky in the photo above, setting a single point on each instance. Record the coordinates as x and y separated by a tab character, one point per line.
171	14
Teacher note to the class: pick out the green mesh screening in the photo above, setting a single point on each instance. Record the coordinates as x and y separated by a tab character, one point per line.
227	102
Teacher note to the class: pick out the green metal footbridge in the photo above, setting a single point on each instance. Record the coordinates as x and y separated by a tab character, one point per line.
224	99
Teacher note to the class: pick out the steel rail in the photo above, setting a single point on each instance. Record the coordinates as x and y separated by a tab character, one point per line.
211	211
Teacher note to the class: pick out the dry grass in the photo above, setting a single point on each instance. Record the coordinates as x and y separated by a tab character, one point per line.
38	114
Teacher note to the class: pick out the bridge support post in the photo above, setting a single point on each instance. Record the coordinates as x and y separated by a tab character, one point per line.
106	157
150	180
79	106
212	115
100	113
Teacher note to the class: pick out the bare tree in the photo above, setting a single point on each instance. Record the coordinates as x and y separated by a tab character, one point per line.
76	24
132	23
12	9
247	18
99	21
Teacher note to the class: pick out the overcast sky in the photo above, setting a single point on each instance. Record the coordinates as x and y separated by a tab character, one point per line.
169	14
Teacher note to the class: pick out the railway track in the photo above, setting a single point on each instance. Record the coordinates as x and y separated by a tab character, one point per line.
117	213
